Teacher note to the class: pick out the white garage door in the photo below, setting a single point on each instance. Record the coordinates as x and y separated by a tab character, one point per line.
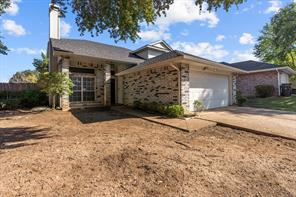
211	89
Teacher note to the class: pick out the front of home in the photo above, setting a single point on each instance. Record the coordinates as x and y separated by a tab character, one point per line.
106	75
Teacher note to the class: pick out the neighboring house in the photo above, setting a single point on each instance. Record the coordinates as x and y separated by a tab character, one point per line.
106	75
259	73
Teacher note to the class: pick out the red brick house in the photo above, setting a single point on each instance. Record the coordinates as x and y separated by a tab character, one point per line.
260	73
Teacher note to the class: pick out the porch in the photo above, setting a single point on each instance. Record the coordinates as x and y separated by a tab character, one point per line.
95	83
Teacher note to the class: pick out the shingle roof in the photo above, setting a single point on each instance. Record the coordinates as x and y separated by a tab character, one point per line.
251	65
95	49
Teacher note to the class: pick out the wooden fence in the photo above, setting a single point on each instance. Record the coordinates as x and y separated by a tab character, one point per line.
18	87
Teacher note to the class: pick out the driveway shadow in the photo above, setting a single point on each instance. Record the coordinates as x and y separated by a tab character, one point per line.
87	116
15	137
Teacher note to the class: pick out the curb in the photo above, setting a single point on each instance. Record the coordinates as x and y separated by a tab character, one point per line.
254	131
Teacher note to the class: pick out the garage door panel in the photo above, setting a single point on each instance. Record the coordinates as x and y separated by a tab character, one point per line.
211	89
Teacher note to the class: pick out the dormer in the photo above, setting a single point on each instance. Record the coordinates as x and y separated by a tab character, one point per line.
152	50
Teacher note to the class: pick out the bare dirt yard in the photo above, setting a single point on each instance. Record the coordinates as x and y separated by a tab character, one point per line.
109	154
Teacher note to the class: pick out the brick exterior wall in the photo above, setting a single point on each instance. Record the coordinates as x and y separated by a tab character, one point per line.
246	82
154	85
185	85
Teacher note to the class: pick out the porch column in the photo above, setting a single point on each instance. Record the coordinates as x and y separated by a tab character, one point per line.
234	88
65	102
185	86
107	85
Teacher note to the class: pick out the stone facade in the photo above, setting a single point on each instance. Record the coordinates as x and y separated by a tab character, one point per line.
246	83
154	85
107	85
234	87
185	85
65	104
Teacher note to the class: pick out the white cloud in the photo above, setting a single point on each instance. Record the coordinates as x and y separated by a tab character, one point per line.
182	11
13	9
238	56
27	51
246	38
13	29
220	37
155	35
187	12
65	29
202	49
274	7
186	33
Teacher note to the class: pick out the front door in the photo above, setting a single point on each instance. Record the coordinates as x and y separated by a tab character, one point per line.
84	88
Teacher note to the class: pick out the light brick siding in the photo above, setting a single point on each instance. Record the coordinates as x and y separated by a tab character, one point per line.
234	88
246	83
185	85
154	85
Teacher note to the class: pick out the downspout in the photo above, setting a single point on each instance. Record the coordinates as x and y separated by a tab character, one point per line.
279	78
179	82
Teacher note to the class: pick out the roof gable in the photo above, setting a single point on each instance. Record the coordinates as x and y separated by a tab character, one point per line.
160	45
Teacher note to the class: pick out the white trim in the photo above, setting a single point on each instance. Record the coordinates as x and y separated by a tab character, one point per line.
153	47
290	70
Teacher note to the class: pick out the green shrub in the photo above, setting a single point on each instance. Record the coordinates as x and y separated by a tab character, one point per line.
240	99
174	111
171	110
264	91
137	104
23	99
198	106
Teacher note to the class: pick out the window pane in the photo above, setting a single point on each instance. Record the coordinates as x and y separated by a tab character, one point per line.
88	84
75	97
77	83
88	96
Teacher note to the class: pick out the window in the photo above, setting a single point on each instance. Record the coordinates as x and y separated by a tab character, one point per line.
84	88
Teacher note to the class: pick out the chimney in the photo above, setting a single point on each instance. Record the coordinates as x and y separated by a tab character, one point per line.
54	21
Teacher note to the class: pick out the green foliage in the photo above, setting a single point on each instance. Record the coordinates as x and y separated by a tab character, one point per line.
122	18
41	65
264	91
170	110
277	44
240	99
198	106
56	83
3	5
22	99
174	111
27	76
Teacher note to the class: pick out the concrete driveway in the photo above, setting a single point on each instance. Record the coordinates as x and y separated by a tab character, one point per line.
270	122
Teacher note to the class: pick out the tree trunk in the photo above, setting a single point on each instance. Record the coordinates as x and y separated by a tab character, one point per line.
54	101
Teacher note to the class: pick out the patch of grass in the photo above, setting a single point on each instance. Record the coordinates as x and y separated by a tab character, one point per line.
279	103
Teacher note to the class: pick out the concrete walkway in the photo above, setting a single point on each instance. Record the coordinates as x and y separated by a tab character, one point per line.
264	121
182	124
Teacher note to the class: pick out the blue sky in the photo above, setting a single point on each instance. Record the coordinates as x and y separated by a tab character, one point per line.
221	36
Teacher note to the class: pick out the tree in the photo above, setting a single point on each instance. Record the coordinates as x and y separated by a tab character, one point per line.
3	5
277	44
123	18
56	83
41	65
27	76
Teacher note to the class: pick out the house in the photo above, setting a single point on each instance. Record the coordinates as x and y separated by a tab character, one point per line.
260	73
106	75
